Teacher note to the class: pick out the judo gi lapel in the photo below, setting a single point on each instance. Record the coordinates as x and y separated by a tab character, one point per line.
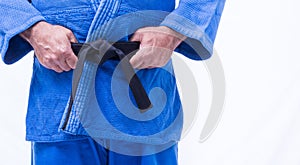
105	12
70	122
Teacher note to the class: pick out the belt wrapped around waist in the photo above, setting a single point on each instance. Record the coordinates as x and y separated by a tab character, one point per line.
100	51
112	50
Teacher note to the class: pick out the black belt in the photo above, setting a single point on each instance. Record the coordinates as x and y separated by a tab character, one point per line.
125	47
118	51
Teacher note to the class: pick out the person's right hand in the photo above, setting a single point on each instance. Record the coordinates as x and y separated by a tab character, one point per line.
52	45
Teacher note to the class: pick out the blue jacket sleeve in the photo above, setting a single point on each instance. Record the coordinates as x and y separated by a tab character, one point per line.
15	17
198	20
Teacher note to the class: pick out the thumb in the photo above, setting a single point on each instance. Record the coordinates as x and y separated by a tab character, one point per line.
72	38
136	60
70	35
136	37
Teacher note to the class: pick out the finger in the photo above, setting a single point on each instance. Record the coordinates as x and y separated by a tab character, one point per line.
70	58
63	53
56	68
136	37
46	61
72	61
71	36
137	60
63	65
142	65
58	65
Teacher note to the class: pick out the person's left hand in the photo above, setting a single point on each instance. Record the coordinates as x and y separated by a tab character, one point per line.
157	46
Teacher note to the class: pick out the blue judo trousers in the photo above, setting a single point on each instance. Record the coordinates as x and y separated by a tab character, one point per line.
88	152
103	139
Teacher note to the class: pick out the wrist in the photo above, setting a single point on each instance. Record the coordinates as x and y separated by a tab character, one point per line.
28	33
174	33
175	37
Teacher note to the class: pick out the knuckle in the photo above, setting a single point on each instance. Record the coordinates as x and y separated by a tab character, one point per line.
70	60
139	30
63	49
51	59
68	31
54	58
47	60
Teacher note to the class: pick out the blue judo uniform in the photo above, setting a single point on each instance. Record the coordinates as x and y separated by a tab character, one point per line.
119	132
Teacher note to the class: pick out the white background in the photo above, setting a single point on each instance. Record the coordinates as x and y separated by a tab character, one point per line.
258	43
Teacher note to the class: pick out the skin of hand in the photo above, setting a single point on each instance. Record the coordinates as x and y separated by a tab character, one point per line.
52	45
156	48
